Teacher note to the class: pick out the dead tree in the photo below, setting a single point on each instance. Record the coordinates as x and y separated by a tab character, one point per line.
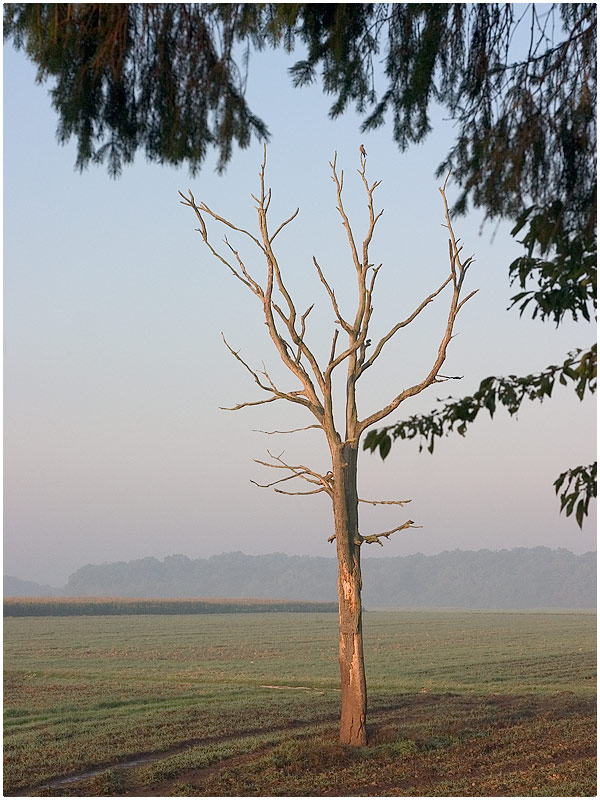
287	329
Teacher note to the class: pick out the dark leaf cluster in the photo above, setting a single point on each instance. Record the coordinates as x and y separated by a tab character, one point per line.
159	77
578	486
519	81
563	275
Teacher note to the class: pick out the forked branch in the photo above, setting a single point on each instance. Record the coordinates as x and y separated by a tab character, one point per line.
376	537
298	471
458	271
294	397
291	350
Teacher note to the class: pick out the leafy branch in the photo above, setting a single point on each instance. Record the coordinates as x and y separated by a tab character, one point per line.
579	489
579	368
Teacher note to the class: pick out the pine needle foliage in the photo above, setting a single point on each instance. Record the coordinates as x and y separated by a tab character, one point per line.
160	77
519	81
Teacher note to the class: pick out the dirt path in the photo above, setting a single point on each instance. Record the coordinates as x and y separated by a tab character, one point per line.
195	776
139	759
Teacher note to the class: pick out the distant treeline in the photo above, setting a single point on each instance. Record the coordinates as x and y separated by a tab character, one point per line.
520	578
93	606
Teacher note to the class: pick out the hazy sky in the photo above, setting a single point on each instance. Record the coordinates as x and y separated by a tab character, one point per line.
115	447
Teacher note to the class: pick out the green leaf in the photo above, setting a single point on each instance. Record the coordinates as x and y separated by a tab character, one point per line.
385	445
559	482
570	504
580	513
521	220
371	440
490	403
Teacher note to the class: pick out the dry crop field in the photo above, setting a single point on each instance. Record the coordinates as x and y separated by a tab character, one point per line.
460	703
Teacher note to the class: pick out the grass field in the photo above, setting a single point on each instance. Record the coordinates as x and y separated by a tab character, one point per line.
460	703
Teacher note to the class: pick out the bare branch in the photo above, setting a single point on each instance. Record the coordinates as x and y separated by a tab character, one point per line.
294	397
273	483
385	502
282	491
250	403
333	344
283	224
345	325
339	183
444	378
248	280
457	276
468	297
299	471
372	217
274	277
294	430
295	494
219	218
236	355
190	201
383	341
254	285
302	332
376	537
352	348
366	321
312	401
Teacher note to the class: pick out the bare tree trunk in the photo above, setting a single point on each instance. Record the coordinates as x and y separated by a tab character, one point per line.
288	331
353	729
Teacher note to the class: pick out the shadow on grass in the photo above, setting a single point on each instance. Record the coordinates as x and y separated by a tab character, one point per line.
423	744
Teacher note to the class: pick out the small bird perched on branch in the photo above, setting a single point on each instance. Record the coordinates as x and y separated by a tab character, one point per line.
363	152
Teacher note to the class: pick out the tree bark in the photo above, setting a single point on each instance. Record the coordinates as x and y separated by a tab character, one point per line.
353	730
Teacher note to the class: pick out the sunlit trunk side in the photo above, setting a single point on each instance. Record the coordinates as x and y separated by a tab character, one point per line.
353	730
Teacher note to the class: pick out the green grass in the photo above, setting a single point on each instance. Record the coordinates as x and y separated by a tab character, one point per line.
460	703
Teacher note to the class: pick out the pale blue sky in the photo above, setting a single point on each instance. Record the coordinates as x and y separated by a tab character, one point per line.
115	447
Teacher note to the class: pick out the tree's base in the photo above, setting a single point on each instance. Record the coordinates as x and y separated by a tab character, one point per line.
354	732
